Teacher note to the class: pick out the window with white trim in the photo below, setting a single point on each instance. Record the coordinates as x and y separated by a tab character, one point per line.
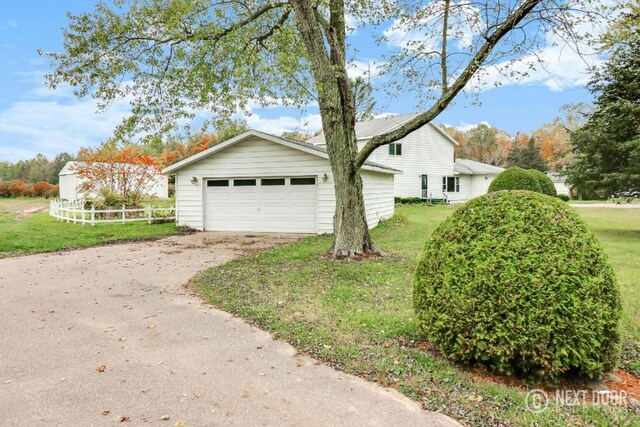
451	184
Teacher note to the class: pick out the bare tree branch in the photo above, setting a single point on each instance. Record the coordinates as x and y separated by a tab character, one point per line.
447	96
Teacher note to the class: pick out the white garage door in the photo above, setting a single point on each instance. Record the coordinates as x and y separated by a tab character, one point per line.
261	204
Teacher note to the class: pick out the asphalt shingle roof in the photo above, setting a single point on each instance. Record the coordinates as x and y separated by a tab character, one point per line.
471	167
370	128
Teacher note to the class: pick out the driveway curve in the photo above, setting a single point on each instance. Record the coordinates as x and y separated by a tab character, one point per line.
107	335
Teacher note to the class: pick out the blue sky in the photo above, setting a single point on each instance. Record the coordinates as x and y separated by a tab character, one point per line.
35	119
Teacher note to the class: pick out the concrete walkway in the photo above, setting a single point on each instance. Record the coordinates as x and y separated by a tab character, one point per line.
107	335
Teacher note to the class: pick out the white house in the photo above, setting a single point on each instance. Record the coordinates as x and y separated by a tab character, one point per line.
474	178
560	183
263	183
426	158
70	184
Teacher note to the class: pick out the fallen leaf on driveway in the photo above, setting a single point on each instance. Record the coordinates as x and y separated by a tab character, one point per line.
151	326
164	417
105	412
101	368
123	418
180	423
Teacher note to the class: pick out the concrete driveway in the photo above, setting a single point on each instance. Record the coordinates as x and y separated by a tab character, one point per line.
107	335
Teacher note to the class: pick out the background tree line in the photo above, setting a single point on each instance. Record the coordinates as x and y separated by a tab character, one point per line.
548	148
163	152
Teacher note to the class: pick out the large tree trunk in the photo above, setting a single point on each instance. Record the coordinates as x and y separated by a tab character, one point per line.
350	221
337	109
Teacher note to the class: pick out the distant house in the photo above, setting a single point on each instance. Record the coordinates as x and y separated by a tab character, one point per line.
475	178
426	158
71	184
560	182
265	183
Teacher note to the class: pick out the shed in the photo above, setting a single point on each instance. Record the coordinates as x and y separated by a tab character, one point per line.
70	184
264	183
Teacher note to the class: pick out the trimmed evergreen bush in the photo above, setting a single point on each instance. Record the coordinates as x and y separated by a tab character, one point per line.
545	183
515	178
564	197
517	281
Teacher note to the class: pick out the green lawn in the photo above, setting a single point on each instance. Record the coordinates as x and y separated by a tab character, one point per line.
22	233
618	201
358	316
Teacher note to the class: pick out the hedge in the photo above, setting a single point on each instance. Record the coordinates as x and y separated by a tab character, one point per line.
516	280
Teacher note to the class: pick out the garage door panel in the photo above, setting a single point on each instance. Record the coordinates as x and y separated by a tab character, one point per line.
268	208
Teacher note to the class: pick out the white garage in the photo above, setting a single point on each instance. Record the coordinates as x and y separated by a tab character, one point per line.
258	182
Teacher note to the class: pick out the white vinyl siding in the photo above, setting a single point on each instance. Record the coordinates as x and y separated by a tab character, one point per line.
378	197
471	186
424	152
68	187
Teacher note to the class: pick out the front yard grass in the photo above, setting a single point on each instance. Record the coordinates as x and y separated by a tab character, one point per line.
358	316
22	232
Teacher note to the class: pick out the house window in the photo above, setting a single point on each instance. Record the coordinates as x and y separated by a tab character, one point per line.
218	183
303	181
395	149
451	184
244	182
272	181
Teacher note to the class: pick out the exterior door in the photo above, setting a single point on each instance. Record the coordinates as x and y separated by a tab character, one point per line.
425	186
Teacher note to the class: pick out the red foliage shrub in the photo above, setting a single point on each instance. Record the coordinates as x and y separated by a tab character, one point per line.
17	189
44	189
4	191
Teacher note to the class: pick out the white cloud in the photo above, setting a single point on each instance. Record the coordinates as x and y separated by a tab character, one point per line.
50	123
364	69
558	66
54	121
466	127
422	32
283	123
351	24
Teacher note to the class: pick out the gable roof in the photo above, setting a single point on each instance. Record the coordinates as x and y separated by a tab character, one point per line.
68	168
296	145
556	177
369	128
471	167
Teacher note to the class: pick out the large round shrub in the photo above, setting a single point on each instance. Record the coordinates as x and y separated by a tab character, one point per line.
515	178
517	281
545	183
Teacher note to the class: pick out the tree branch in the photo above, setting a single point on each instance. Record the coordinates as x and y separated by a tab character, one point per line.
443	54
447	96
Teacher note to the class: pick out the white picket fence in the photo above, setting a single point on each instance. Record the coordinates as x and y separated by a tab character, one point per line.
75	211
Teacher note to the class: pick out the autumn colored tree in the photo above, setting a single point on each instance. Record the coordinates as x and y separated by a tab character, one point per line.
123	170
176	150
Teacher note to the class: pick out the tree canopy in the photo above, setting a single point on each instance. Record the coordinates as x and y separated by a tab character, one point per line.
527	156
607	147
176	59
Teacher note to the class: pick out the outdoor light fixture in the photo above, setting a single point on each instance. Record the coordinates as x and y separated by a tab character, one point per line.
194	180
325	177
